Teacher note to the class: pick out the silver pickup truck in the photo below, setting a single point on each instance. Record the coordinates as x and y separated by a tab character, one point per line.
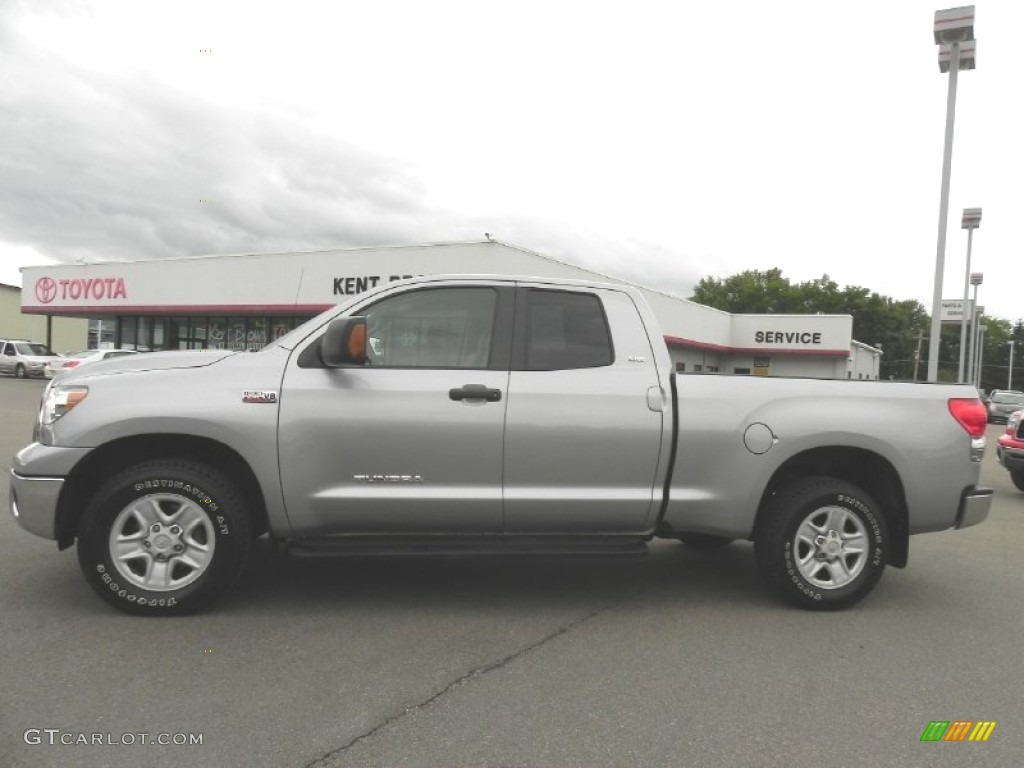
485	416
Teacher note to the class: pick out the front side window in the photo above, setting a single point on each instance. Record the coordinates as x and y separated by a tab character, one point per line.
566	330
432	328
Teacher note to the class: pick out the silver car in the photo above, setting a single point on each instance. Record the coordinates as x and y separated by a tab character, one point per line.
1002	404
77	359
24	358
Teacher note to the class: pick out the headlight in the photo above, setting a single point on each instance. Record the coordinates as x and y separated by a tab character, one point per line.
59	400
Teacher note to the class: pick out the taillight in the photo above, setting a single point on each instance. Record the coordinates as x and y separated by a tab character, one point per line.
970	413
1013	422
70	363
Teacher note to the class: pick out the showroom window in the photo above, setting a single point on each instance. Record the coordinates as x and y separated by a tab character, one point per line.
102	332
157	333
216	333
158	341
126	332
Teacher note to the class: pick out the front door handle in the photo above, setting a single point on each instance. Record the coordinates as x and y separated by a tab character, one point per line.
475	392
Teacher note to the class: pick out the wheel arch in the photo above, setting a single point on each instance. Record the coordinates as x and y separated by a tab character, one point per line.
100	464
864	468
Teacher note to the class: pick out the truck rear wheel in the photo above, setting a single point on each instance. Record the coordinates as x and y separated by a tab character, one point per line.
164	537
822	543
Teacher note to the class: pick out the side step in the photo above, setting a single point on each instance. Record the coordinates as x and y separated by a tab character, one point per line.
467	546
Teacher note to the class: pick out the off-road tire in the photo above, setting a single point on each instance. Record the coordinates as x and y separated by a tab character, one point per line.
180	531
822	543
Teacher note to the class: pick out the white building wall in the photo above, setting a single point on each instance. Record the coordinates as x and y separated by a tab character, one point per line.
864	362
700	338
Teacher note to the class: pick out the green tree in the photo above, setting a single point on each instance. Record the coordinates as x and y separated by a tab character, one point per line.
893	325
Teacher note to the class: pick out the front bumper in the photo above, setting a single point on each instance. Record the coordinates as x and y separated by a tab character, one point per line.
37	479
33	502
974	507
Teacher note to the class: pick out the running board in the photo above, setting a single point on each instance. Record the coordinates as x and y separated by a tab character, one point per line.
467	546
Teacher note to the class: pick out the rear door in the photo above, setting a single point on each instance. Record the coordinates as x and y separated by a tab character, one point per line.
584	428
412	442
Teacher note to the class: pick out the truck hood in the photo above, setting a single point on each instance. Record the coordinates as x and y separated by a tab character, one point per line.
149	361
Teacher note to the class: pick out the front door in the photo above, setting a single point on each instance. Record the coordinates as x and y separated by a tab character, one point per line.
412	442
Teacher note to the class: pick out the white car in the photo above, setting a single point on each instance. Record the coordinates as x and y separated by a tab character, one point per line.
24	358
65	362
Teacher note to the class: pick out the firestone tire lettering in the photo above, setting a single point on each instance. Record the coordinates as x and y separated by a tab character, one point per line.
777	527
200	485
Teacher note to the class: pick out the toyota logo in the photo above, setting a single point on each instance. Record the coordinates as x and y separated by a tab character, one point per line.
46	289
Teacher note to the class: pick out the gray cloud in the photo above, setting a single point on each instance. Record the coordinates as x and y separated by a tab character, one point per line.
107	166
101	166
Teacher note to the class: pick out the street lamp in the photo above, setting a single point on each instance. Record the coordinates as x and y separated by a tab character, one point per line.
954	34
975	279
971	221
1009	378
982	330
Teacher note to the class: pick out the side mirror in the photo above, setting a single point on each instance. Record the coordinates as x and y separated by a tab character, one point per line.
344	342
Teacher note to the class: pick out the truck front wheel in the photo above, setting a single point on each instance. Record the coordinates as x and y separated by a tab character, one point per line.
1018	480
164	537
822	543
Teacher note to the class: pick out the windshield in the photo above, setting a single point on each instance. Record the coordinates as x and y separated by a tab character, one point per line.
33	350
1009	398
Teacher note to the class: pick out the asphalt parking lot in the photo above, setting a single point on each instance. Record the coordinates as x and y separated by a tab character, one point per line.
679	659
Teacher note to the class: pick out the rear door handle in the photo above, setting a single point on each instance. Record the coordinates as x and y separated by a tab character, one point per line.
475	392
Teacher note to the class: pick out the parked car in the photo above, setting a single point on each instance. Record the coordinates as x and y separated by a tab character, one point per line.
1002	403
76	359
1010	448
486	416
24	358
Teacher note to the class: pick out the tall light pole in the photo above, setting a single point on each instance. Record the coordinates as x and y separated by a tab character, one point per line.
971	221
975	279
954	34
1009	378
982	330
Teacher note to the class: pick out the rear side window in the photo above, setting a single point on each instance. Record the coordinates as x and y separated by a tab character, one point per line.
565	330
32	350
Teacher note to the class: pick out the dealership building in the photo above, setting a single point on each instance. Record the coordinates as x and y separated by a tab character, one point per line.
245	301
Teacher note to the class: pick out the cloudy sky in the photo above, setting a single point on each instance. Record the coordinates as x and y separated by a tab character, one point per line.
657	141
